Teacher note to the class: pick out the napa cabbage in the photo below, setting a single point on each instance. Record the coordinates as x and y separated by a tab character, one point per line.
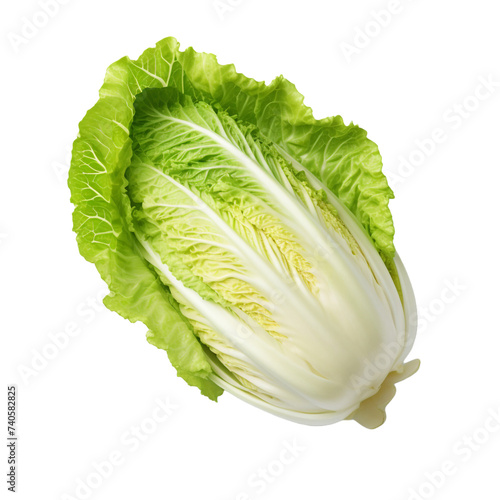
254	241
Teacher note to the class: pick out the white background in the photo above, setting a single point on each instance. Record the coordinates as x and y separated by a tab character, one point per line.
81	406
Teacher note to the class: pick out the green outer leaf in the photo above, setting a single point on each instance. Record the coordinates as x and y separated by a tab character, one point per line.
341	156
101	219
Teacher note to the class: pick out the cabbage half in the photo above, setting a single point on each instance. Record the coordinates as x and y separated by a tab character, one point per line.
254	241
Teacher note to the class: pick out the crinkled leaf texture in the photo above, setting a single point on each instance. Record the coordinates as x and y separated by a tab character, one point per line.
164	152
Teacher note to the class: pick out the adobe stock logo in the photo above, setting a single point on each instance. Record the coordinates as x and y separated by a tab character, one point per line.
223	7
31	27
59	340
428	314
61	167
365	34
131	440
452	119
269	473
463	450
